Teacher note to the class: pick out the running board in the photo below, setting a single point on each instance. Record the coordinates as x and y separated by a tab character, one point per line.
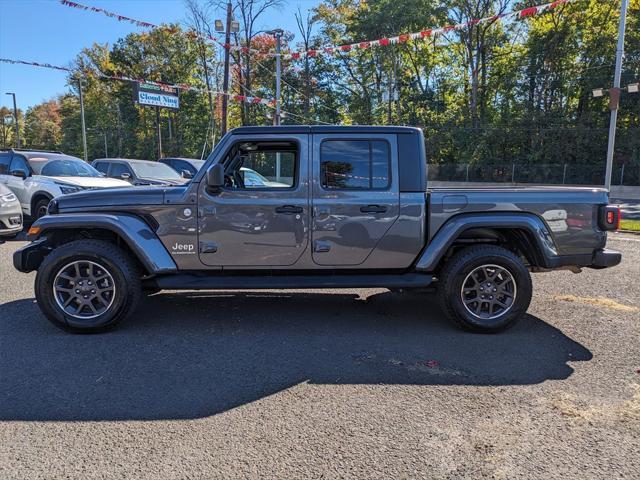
261	282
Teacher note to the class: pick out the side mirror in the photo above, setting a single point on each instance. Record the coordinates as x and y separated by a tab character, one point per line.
18	173
215	176
125	176
186	174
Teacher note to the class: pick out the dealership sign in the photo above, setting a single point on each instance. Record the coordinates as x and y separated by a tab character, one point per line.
157	95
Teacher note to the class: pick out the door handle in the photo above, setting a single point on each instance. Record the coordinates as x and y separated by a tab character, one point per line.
289	209
373	209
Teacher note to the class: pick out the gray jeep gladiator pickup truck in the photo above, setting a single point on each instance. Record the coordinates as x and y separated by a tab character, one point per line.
339	207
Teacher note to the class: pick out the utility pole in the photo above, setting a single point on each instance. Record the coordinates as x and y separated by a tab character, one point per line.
614	93
84	126
159	132
106	151
15	118
227	55
277	34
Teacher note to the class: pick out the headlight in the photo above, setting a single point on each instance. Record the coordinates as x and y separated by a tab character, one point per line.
9	197
68	189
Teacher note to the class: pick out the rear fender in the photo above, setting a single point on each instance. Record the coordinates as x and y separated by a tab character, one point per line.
453	228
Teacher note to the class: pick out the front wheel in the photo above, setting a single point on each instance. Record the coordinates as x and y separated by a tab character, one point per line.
87	286
485	288
40	209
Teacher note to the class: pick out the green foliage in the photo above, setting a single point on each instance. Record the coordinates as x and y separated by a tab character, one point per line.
492	94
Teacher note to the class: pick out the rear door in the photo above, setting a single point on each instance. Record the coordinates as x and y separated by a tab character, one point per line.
355	195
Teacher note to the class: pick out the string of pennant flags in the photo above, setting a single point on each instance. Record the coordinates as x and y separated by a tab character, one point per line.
346	48
179	86
143	24
426	34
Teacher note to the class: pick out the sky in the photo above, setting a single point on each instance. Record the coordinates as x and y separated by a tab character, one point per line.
46	31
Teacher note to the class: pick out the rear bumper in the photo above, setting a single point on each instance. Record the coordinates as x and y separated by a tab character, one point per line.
10	219
601	258
605	258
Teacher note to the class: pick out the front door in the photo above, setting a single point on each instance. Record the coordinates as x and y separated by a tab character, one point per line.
260	218
355	195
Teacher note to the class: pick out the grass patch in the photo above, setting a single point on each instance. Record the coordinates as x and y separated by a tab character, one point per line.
633	225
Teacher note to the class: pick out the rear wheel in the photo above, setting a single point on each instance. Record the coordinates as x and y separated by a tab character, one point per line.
485	288
87	286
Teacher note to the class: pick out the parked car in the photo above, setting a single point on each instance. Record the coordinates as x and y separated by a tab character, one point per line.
357	212
10	213
36	177
187	167
139	172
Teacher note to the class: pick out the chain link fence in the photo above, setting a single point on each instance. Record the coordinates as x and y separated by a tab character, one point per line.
559	174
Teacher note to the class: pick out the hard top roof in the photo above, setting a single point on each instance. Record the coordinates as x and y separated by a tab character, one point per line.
324	129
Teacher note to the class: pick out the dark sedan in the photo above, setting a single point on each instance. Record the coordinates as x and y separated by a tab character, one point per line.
139	172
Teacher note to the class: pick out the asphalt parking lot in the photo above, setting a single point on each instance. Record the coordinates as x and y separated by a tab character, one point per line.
342	384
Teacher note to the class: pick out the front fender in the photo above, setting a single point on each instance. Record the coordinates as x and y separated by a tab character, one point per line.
134	231
451	230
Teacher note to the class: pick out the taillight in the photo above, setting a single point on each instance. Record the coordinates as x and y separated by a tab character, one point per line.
609	217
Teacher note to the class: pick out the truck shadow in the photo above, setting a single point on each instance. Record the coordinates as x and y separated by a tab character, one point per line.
190	354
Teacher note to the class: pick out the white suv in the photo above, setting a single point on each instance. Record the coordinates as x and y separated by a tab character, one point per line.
36	177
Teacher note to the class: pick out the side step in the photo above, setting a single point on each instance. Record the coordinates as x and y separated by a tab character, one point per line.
261	282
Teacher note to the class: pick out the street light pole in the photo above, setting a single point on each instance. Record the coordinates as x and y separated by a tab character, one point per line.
84	126
15	117
614	100
277	34
227	54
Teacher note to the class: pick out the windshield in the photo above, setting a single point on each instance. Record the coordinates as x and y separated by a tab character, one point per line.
68	167
155	170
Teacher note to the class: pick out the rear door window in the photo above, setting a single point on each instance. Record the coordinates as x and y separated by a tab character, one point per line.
355	165
5	160
102	167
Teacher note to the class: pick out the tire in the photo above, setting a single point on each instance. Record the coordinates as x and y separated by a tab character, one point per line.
485	271
105	274
40	209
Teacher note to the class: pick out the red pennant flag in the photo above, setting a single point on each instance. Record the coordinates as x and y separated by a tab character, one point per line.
345	48
364	45
425	33
295	55
384	41
403	38
328	50
312	53
528	12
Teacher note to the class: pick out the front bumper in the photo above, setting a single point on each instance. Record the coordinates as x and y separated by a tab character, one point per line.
29	257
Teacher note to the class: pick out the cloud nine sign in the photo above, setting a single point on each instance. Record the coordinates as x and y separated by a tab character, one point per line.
156	95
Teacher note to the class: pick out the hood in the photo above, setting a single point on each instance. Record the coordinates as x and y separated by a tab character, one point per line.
88	182
113	197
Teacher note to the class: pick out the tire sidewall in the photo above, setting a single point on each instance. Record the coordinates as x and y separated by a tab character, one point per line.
523	294
37	207
45	297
